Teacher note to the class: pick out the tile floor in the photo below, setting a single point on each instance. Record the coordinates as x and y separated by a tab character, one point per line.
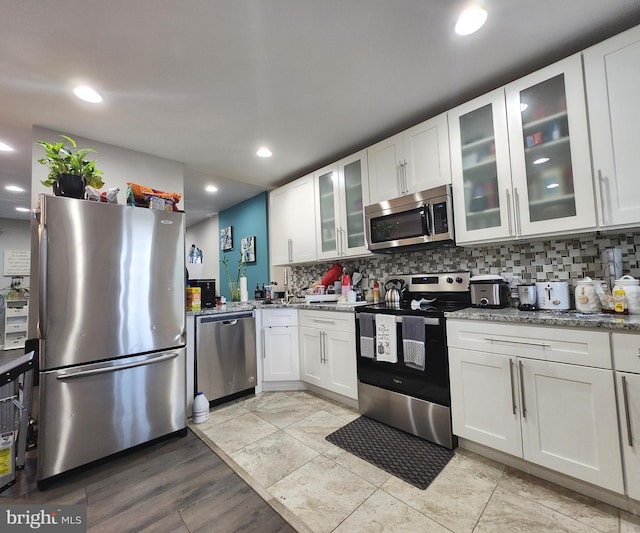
276	442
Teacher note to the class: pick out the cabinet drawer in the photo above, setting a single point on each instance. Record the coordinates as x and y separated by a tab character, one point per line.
328	320
564	345
626	352
279	317
17	311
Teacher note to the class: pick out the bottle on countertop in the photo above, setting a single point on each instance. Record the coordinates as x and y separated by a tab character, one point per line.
376	292
620	301
346	282
256	293
263	292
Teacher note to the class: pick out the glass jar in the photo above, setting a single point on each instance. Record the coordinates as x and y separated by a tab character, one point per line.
631	287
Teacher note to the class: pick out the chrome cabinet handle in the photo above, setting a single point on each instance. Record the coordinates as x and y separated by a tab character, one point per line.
405	188
264	348
516	203
341	241
324	347
509	211
625	398
400	170
338	241
524	409
540	344
513	392
321	321
603	183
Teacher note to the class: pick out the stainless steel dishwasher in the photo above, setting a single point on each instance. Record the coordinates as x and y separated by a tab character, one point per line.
226	363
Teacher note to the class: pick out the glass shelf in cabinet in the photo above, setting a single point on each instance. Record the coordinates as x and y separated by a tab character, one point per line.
556	144
560	198
477	143
480	164
544	121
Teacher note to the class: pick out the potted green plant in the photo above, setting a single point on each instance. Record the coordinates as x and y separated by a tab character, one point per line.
69	171
234	286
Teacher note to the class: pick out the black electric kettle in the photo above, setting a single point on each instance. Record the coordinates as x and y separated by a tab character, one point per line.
394	289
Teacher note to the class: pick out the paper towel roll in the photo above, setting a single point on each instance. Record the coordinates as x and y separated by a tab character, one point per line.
244	293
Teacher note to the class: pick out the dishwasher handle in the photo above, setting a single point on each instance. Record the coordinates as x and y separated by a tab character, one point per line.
225	318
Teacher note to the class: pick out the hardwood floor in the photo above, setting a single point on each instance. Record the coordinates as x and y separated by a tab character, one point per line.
177	485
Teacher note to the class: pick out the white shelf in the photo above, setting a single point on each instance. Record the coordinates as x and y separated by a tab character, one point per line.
16	313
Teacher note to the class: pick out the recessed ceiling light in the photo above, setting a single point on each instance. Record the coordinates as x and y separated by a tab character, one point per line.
87	94
4	147
211	188
471	20
14	188
541	160
23	209
264	152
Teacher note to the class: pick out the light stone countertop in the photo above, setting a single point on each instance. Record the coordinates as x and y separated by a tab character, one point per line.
571	319
235	307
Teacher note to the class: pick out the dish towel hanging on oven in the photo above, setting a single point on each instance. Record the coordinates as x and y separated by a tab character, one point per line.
386	338
413	341
367	335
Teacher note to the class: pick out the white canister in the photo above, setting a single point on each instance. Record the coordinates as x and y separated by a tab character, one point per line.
586	297
200	408
631	287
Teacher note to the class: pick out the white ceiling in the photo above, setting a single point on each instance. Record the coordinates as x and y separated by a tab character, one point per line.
207	82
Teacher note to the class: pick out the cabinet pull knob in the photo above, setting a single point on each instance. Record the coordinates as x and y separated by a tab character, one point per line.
625	398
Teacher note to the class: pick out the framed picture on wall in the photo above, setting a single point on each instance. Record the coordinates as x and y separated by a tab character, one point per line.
226	239
248	249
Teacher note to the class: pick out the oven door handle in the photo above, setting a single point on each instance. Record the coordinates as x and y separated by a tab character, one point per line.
428	321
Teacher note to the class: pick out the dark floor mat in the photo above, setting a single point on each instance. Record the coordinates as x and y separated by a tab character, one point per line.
407	457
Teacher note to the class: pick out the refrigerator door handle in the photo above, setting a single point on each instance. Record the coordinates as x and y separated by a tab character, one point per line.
92	372
43	244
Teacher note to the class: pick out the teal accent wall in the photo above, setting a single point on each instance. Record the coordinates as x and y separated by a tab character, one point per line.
247	219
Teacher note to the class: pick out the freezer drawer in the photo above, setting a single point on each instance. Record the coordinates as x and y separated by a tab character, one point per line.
91	411
225	354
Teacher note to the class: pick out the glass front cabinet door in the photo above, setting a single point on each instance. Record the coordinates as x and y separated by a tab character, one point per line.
342	192
520	158
550	159
481	172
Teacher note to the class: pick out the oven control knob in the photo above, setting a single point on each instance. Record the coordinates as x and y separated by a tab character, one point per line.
449	280
458	279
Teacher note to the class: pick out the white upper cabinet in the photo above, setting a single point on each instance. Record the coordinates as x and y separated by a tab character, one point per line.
520	158
411	161
612	77
481	169
292	224
550	159
342	192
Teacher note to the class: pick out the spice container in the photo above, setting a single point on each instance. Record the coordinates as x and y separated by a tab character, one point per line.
631	288
586	297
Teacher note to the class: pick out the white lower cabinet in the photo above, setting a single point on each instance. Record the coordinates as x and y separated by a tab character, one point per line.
280	353
519	390
328	351
626	355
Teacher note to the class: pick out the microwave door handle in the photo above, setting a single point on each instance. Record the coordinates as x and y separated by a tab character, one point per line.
427	216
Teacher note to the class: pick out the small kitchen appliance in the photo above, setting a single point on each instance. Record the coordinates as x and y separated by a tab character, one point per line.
552	295
393	288
489	290
527	297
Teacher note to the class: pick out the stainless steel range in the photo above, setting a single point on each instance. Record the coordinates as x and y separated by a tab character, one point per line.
403	364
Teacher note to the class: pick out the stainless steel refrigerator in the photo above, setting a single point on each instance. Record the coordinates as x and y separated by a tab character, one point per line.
108	305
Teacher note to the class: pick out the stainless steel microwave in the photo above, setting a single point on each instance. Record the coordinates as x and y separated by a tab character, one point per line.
423	219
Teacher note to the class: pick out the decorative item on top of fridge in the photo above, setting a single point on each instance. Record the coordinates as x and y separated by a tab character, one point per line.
143	196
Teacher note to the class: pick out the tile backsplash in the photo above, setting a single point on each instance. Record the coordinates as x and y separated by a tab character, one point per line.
563	259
